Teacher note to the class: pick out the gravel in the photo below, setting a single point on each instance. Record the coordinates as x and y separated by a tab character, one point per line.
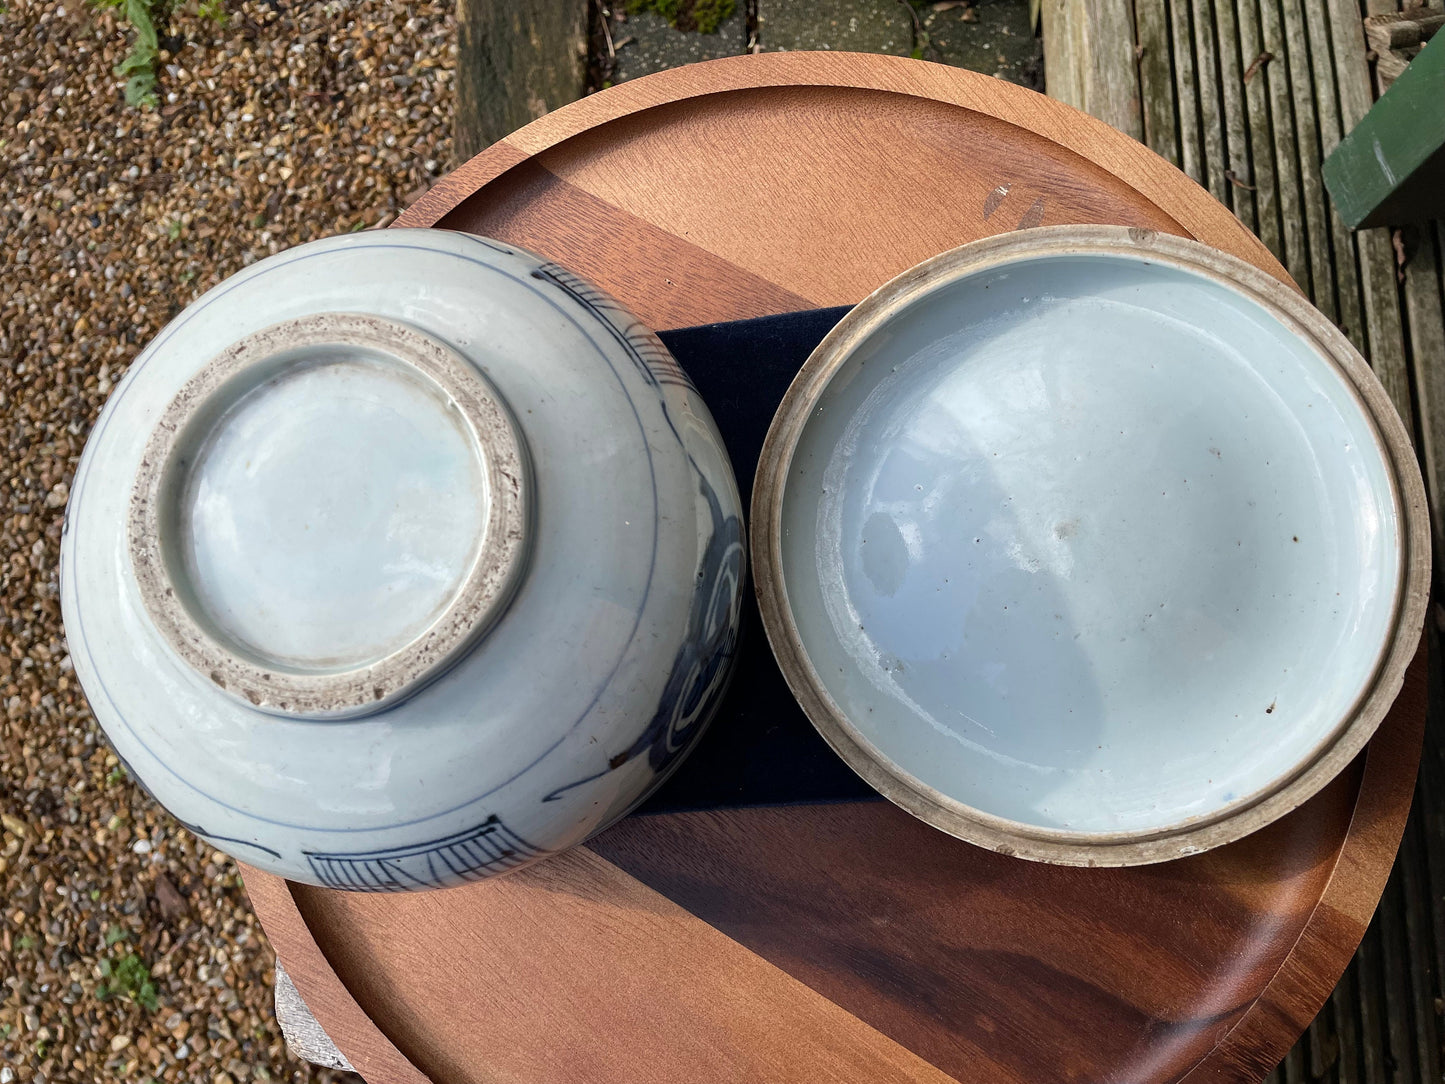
127	949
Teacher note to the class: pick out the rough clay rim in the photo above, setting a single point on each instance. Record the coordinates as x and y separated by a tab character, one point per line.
479	600
1011	837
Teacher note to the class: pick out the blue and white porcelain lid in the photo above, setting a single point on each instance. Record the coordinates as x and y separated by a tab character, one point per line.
1091	544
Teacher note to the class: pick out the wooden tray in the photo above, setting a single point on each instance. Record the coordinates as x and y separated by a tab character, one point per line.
845	941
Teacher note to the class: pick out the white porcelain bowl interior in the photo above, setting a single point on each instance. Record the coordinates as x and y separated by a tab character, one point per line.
1089	546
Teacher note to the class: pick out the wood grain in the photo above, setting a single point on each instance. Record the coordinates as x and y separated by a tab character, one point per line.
1013	977
1256	97
1232	90
1342	245
1296	57
1089	60
1156	79
1303	982
1425	308
348	1025
829	213
1094	144
1384	331
1211	123
846	941
1283	123
620	984
1191	148
515	62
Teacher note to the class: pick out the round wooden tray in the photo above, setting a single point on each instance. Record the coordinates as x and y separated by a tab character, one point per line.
843	941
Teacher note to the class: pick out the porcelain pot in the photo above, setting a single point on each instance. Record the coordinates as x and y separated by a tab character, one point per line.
402	559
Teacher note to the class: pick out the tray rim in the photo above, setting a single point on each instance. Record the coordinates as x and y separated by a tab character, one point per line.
1088	137
1302	983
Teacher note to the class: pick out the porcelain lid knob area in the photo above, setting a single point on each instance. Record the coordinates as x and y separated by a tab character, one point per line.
328	513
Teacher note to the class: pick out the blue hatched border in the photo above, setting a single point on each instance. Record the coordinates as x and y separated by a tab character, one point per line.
469	855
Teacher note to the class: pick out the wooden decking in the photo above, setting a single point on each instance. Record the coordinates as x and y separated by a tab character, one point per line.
1248	97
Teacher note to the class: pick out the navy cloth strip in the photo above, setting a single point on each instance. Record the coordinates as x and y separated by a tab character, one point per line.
760	748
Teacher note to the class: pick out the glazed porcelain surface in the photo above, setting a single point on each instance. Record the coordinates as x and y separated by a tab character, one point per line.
402	559
1090	544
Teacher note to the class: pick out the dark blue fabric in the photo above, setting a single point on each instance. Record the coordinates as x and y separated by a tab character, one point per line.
760	749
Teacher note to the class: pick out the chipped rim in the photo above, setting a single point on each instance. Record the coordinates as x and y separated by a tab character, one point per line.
1059	846
478	601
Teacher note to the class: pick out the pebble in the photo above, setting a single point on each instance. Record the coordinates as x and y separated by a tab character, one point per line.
285	123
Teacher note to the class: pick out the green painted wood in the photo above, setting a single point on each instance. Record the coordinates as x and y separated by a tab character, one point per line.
1390	169
1351	87
1384	343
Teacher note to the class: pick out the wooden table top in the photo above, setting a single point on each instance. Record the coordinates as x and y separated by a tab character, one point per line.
843	941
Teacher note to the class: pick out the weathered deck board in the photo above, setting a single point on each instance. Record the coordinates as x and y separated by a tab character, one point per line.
1239	169
1256	60
1430	799
1415	888
1396	968
1383	1023
1343	1001
515	62
1385	335
1370	1006
1211	112
1108	85
1191	151
1425	310
1156	78
1327	108
1317	215
1295	255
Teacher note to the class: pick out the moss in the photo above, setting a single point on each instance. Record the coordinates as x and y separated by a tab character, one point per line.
704	16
